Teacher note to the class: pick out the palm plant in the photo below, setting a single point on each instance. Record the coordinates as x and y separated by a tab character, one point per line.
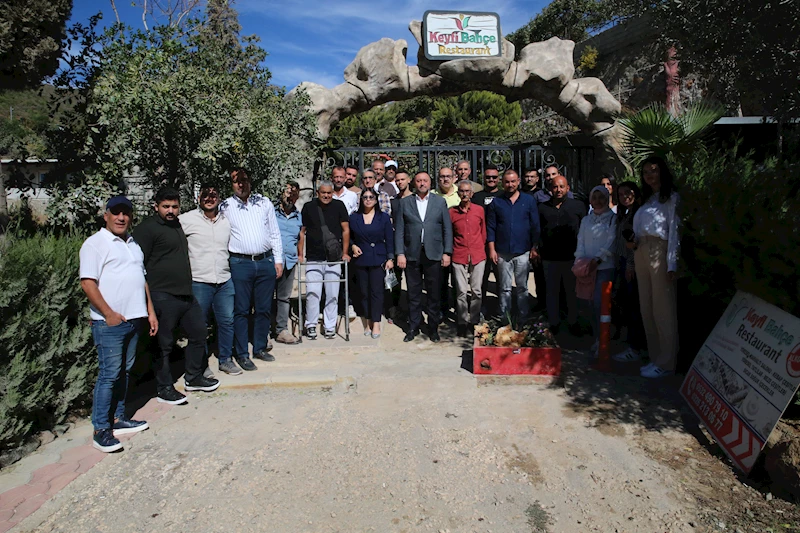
655	131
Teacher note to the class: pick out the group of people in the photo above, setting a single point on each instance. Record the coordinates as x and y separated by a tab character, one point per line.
238	259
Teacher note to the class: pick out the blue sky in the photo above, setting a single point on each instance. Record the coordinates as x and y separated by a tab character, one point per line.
314	40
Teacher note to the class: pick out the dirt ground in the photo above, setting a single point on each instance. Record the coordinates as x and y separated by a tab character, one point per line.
418	444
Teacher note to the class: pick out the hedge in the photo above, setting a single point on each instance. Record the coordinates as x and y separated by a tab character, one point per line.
47	360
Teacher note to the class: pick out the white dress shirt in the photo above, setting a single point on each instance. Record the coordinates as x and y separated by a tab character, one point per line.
208	246
349	199
117	266
655	219
254	226
422	209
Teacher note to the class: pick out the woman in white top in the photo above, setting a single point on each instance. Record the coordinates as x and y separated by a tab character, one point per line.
596	240
655	227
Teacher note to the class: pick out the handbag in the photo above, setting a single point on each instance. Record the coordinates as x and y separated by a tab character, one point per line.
390	280
333	248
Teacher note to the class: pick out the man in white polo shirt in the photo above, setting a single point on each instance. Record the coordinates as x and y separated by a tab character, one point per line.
208	232
112	276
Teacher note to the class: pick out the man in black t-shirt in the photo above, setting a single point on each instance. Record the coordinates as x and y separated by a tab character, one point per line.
560	219
312	239
491	188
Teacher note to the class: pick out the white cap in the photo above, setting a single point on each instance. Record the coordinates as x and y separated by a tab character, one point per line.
391	163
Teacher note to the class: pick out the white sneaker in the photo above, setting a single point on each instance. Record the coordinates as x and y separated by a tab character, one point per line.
626	356
645	367
351	313
656	372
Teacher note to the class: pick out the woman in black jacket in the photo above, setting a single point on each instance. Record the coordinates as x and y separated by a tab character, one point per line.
372	238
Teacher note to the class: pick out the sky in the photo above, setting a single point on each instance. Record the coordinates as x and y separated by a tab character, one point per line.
314	40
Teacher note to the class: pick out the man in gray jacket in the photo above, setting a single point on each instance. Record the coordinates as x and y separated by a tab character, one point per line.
424	244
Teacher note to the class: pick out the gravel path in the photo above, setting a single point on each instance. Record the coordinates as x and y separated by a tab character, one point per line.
417	445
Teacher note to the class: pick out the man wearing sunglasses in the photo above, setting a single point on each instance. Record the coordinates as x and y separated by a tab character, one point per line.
208	233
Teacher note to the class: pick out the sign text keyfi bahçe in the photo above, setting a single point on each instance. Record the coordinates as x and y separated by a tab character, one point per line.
456	35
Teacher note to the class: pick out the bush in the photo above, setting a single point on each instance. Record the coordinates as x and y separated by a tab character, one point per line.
742	227
47	362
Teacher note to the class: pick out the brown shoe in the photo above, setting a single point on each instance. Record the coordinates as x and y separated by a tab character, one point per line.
286	338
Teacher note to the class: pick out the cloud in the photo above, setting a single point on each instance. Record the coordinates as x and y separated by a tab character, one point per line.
293	76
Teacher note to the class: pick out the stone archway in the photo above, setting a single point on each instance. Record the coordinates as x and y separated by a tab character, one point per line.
544	71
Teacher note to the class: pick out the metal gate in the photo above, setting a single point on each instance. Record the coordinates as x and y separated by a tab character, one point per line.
574	162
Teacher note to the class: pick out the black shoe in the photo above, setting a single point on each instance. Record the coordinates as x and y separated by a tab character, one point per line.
575	329
171	396
410	335
246	364
461	330
125	426
269	347
201	384
105	441
265	356
434	335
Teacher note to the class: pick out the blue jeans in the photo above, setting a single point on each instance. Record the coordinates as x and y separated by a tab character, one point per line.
254	284
607	274
218	296
116	351
516	267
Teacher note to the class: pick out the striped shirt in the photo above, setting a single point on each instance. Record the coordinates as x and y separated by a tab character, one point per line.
254	226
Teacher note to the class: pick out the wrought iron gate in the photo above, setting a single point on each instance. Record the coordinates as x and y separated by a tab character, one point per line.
574	162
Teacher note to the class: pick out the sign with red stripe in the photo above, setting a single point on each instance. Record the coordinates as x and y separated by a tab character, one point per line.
745	375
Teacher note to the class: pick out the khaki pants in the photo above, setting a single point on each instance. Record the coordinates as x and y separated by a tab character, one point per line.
468	278
658	302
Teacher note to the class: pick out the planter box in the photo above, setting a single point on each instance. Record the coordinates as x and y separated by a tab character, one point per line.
507	361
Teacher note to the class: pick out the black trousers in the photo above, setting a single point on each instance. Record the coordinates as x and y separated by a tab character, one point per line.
370	290
428	273
173	311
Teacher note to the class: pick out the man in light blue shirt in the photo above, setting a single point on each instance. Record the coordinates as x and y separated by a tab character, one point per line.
289	221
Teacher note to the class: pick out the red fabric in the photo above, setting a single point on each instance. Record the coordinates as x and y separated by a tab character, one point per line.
586	273
469	234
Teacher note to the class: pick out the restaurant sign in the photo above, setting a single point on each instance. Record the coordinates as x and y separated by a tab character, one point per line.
745	376
458	35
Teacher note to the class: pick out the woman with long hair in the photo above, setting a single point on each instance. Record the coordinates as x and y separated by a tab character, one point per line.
610	183
655	228
630	199
372	236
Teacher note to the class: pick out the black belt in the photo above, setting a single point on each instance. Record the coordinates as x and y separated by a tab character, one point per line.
257	257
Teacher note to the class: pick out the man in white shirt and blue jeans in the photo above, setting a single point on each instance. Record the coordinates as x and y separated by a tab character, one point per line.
112	276
256	258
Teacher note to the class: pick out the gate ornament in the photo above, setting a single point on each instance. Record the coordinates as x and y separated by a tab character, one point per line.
544	71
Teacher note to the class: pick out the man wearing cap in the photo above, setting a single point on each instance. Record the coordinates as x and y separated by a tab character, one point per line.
388	185
290	221
113	278
256	252
169	277
208	233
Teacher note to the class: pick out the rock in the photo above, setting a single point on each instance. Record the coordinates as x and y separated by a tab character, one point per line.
46	437
61	429
782	461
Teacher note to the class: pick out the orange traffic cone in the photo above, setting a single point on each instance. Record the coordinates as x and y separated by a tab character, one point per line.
604	356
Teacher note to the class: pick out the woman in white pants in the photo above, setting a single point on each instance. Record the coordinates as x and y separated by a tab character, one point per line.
655	227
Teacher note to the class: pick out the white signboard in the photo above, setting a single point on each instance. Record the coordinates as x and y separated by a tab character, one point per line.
745	375
455	35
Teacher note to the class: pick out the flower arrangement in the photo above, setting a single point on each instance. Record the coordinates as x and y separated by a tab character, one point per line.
533	333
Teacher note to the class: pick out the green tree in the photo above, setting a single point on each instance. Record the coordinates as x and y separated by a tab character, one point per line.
184	105
748	48
480	114
31	35
567	19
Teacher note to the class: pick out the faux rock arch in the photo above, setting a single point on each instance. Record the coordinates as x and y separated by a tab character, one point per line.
544	71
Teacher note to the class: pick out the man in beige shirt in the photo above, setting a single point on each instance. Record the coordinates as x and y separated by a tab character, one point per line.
208	232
